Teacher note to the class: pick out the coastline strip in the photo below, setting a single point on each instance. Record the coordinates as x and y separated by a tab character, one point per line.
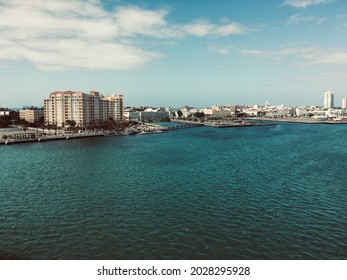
298	120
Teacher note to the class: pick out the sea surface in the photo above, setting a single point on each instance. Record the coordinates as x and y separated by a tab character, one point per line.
275	192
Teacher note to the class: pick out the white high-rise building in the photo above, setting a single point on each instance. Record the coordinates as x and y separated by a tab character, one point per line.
328	100
344	103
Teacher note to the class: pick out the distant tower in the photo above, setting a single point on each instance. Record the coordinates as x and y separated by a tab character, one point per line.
328	100
344	103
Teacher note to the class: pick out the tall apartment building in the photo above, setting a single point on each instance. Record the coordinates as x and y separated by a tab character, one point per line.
328	100
344	103
32	114
84	109
97	107
115	106
65	105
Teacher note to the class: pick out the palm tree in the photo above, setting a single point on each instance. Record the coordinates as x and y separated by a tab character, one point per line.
71	124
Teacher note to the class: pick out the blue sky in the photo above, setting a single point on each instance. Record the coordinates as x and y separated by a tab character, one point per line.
175	53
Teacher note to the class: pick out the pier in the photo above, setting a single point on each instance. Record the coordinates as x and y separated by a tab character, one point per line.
218	124
237	124
36	136
185	125
180	125
16	138
154	127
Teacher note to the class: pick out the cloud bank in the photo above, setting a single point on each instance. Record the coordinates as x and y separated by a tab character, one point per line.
63	34
304	57
305	3
300	18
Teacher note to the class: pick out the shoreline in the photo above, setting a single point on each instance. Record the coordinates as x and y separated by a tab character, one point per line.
260	122
46	138
236	125
31	137
296	120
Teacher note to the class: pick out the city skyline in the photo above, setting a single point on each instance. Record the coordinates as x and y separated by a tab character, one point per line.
175	53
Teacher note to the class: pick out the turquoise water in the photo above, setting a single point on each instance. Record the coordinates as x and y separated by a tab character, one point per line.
201	193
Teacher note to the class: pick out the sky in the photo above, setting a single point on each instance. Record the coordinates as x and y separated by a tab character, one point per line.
174	53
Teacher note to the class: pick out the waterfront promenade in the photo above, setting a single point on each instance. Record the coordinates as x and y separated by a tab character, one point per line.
15	135
18	135
26	139
225	123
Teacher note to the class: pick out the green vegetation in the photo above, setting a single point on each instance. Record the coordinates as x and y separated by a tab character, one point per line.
7	120
13	119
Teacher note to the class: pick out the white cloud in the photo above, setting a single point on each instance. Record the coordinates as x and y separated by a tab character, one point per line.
79	54
79	34
229	29
255	52
326	78
275	54
219	50
305	3
199	28
204	28
300	18
56	35
136	21
305	56
320	56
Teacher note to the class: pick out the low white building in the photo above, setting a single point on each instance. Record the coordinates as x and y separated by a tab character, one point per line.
276	114
32	114
187	111
146	116
155	109
333	113
302	112
209	112
4	113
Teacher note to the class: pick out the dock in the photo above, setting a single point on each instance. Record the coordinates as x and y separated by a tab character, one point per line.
237	124
178	125
220	124
30	137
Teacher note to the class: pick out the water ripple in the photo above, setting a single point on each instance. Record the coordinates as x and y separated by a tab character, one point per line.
201	193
